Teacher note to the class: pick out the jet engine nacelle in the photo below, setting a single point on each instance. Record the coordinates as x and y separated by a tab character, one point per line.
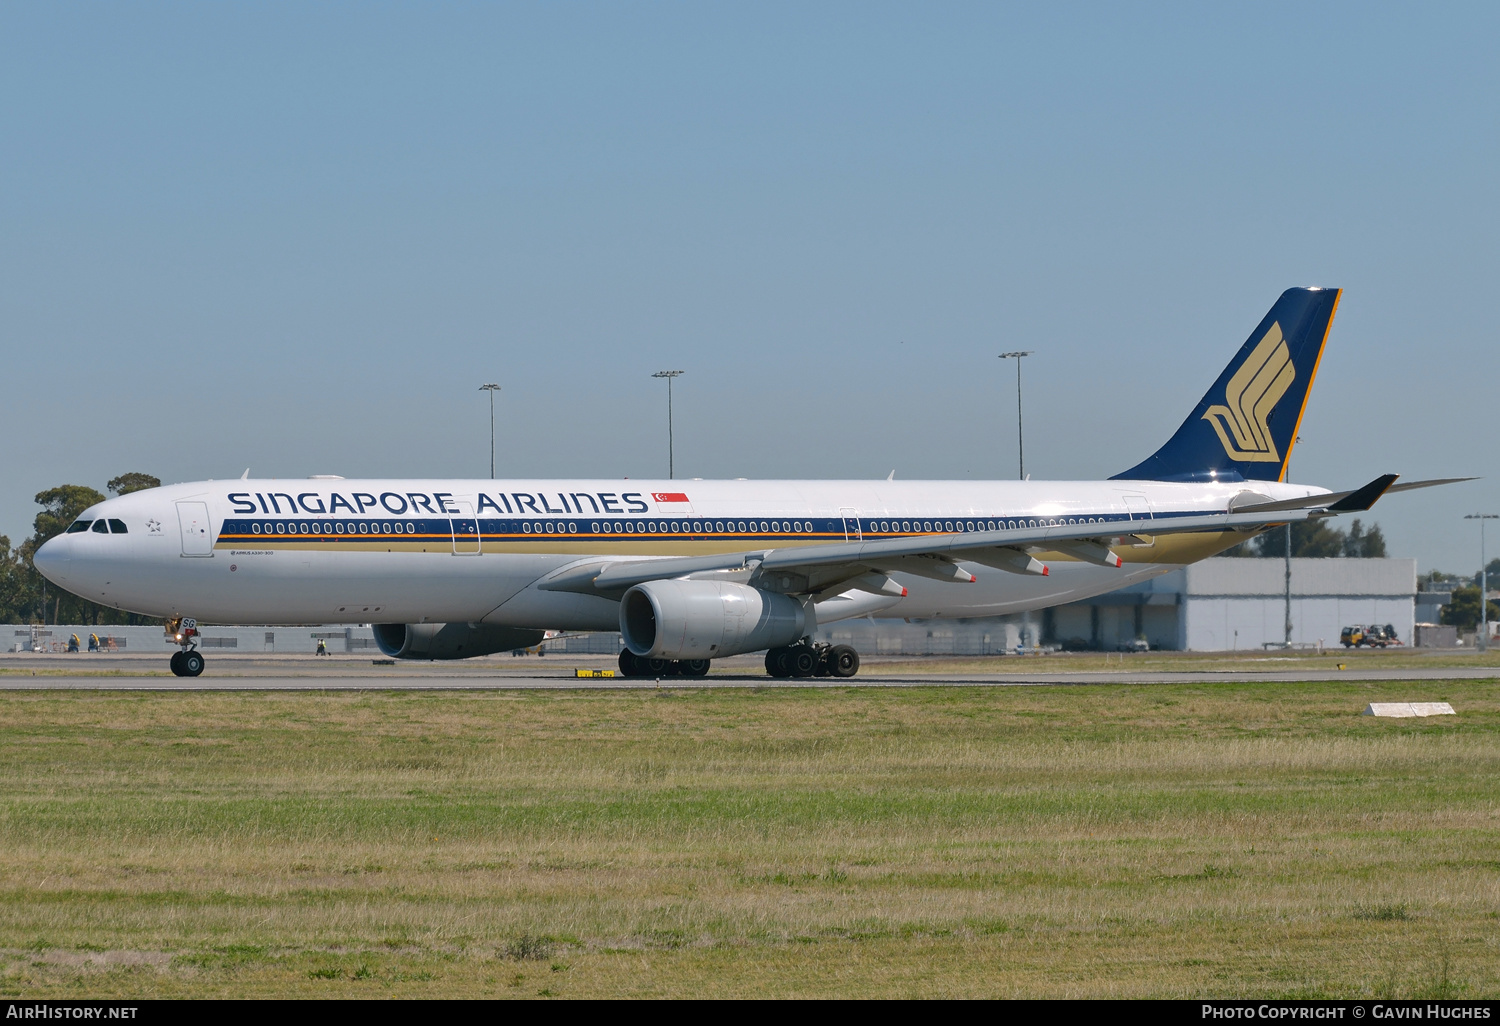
707	619
450	640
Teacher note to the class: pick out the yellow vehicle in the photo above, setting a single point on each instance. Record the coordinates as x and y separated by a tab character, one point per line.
1373	636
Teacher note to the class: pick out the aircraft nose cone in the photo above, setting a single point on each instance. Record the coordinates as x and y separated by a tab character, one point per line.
51	560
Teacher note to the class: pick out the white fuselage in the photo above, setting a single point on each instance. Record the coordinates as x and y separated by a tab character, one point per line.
433	551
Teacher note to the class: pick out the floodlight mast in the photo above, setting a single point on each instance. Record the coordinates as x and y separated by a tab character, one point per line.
491	388
669	375
1020	441
1484	582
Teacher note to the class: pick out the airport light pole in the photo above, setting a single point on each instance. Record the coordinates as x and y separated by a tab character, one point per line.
669	375
1484	582
1020	440
491	388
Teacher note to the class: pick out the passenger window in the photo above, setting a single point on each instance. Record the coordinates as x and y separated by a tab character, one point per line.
78	526
100	527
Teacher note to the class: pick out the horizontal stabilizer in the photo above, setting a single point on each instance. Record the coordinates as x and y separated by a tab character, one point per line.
1407	486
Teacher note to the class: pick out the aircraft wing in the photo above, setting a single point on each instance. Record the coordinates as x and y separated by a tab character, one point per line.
1331	500
828	569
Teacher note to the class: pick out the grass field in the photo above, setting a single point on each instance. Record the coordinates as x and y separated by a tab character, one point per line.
1229	839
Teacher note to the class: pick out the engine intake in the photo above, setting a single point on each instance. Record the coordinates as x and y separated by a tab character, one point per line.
450	640
706	619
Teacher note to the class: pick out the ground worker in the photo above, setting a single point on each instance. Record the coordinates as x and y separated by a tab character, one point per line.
322	647
73	643
93	642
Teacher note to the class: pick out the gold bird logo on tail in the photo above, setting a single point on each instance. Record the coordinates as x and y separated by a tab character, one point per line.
1250	396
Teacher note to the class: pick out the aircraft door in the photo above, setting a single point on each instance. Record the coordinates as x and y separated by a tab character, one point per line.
1139	508
851	523
465	530
197	535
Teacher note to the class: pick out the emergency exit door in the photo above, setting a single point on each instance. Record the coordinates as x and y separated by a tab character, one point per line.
851	523
197	533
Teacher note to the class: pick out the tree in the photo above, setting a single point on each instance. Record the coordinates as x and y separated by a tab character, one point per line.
24	594
60	507
1314	539
17	601
1310	539
132	482
1359	545
1463	610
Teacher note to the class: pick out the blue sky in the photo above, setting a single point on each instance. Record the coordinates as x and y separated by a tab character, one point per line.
297	238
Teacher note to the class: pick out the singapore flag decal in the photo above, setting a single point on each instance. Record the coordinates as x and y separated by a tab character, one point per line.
672	502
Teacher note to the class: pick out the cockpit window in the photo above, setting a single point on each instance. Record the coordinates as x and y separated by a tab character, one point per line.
79	526
100	527
117	527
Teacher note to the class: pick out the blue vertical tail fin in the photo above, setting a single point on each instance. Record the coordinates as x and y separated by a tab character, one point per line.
1245	427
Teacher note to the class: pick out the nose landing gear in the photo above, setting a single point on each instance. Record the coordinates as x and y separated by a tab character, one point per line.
188	662
806	659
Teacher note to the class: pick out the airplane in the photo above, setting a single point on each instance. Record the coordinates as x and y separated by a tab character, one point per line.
689	572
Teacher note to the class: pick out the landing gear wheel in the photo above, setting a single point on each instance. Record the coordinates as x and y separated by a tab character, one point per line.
778	662
176	664
630	664
659	667
843	661
803	661
191	663
693	667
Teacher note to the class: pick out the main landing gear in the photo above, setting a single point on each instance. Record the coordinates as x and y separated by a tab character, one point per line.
632	665
188	662
806	659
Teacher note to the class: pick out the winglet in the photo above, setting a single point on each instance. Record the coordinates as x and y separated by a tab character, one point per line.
1363	498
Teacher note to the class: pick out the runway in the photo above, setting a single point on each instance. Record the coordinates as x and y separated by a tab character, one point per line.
139	673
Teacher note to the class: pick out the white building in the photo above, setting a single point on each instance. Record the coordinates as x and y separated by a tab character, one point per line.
1229	603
